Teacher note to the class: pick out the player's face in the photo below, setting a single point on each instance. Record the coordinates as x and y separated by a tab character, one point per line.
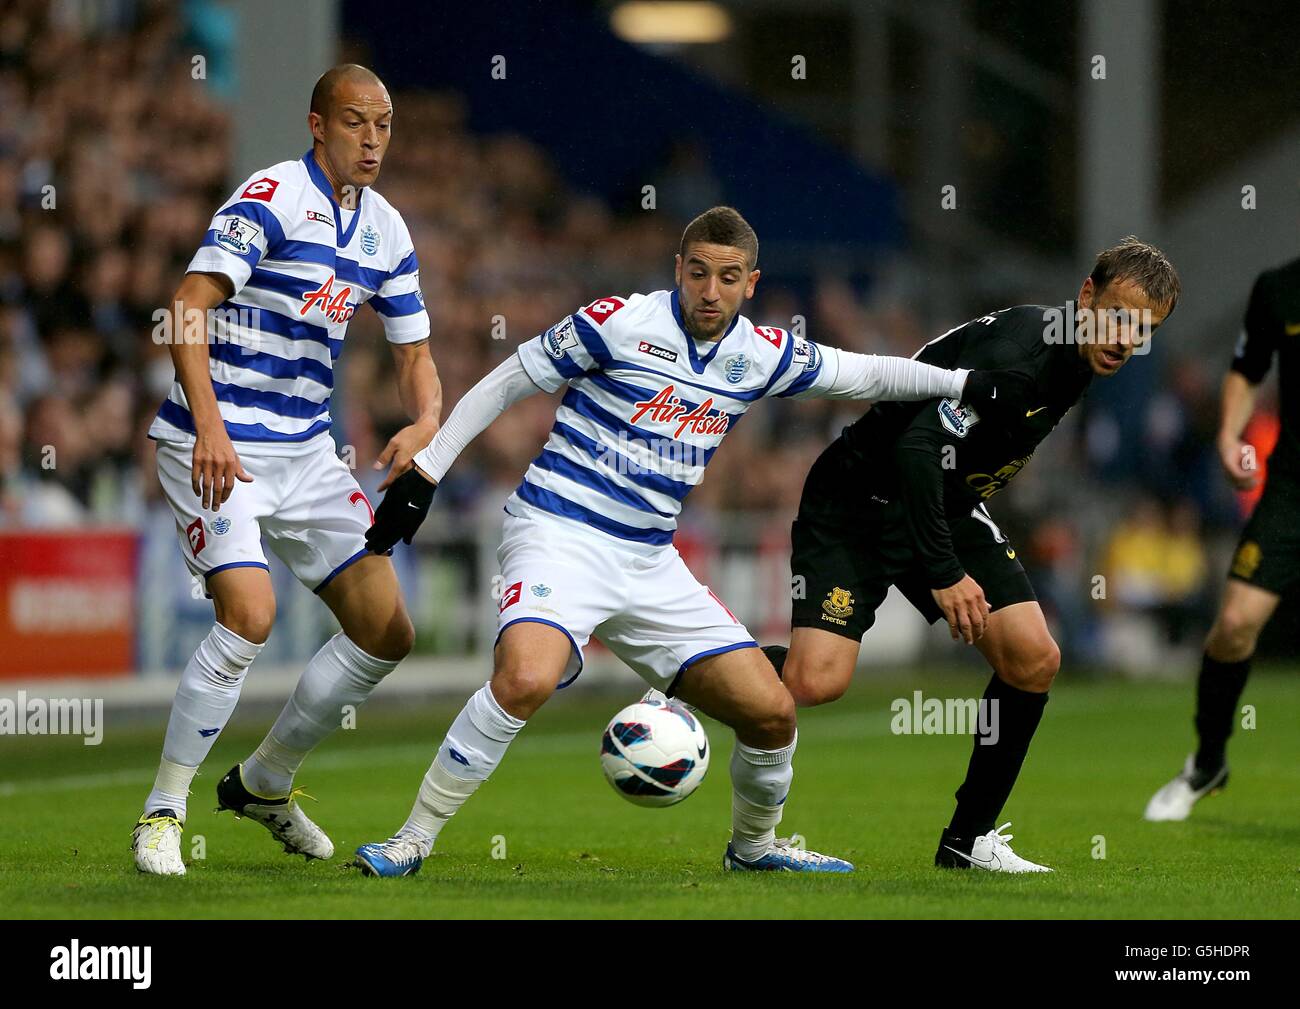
355	132
712	281
1119	324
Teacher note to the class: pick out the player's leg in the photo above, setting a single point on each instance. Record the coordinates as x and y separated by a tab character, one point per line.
376	634
1225	665
529	662
841	575
681	639
740	689
558	586
317	525
1025	660
224	549
819	665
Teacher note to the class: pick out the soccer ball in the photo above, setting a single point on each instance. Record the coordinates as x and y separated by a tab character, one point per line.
654	753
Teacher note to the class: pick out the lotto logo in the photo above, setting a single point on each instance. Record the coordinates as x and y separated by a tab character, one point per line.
510	596
771	334
262	189
195	533
601	310
356	497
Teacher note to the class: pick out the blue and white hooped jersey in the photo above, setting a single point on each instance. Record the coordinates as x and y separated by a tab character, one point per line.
646	407
300	265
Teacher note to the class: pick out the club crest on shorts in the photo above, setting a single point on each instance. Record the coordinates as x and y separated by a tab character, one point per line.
957	417
220	525
1246	560
837	607
541	591
735	367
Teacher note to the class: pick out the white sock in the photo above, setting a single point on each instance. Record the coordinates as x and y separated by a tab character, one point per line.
760	781
339	674
474	746
206	696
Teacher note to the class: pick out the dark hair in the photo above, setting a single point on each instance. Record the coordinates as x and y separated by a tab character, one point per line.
722	226
323	93
1145	265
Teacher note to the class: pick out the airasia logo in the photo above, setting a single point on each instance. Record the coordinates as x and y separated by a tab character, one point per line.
334	306
195	533
262	189
666	408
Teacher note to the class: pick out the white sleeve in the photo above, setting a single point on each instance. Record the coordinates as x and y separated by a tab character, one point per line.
504	385
846	375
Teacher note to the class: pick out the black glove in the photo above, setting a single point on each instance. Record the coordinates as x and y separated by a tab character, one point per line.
996	393
400	513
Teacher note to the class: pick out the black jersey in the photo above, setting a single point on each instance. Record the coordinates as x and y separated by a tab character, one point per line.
937	458
1272	326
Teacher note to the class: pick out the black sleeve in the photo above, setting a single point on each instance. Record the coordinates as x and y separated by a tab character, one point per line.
920	451
919	458
1259	335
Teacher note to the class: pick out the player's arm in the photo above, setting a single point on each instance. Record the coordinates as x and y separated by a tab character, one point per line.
420	391
216	465
918	456
1250	363
1237	404
843	374
407	502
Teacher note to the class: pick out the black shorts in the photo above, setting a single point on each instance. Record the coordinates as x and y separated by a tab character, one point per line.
844	562
1268	553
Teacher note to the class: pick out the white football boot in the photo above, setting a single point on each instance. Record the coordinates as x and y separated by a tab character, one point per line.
991	851
283	817
156	844
1176	799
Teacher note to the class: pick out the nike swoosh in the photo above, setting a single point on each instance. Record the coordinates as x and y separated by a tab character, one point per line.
994	861
1030	413
995	393
703	750
1293	329
412	504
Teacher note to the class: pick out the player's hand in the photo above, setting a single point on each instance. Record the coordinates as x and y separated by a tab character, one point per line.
996	393
401	511
401	449
215	469
965	609
1233	453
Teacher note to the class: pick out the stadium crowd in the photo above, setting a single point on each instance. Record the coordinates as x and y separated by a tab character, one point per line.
113	157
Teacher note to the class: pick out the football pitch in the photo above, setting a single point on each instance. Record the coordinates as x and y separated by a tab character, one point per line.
547	837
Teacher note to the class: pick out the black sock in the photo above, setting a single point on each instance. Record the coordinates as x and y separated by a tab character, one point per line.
1217	692
993	769
776	655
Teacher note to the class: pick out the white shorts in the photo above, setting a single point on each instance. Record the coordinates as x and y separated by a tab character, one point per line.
647	608
309	507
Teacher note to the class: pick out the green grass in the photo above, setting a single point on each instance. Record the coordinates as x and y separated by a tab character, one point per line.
574	848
